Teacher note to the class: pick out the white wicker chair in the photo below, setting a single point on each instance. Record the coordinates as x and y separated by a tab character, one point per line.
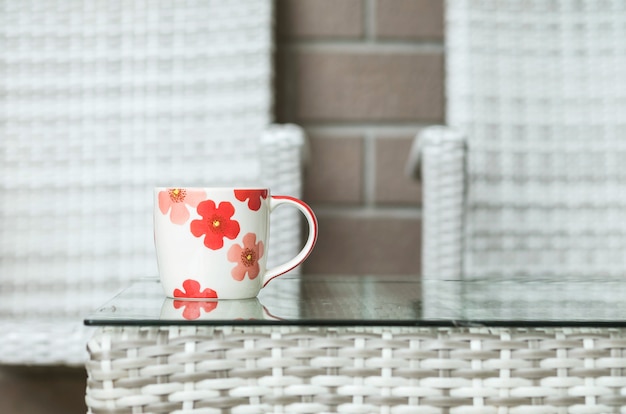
529	176
100	102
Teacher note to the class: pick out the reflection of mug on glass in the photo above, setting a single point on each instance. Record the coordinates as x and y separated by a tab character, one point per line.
237	309
212	243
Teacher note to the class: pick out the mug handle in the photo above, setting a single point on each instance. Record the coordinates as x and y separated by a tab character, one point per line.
276	201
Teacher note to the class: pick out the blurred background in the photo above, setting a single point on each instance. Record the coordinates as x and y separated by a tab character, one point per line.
538	87
362	77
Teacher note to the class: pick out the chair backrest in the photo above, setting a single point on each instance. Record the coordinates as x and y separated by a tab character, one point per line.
539	87
103	100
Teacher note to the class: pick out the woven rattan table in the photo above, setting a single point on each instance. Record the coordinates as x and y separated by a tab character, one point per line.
347	344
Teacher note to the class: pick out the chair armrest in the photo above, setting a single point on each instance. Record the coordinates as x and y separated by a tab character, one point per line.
283	137
284	155
438	159
433	138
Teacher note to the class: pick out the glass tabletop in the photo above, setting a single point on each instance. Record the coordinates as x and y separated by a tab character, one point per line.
341	300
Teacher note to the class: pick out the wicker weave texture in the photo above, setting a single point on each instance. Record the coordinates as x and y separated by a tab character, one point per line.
100	101
39	341
356	370
442	151
538	89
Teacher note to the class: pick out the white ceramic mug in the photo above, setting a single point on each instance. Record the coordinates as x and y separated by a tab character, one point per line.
212	243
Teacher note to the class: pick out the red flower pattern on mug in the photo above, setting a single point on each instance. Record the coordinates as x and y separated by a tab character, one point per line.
176	200
216	223
192	291
253	196
191	309
246	257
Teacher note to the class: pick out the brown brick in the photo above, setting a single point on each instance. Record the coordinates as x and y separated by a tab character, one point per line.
392	184
410	19
319	18
334	174
369	87
366	245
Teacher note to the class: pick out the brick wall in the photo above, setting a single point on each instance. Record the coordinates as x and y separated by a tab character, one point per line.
362	77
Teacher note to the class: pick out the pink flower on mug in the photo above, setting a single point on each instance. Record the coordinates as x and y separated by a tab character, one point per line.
191	290
191	309
176	200
253	196
246	257
216	223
